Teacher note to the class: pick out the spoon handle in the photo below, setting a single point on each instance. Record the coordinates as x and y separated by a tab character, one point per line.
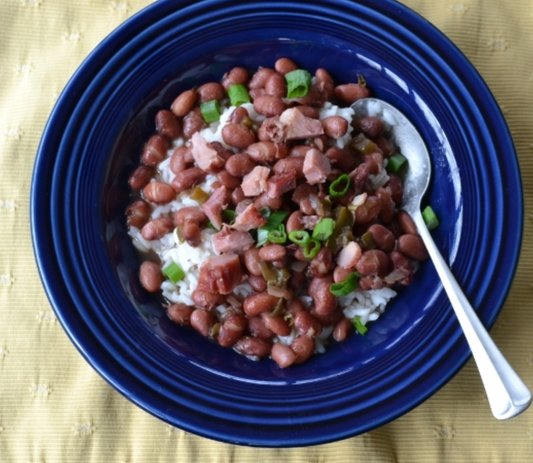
508	396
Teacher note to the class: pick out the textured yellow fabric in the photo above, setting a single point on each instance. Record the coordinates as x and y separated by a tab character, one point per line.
55	409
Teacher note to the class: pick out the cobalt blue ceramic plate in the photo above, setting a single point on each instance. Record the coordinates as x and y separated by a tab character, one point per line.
89	269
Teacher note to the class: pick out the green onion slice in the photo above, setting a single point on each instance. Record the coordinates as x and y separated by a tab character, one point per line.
430	218
395	163
347	286
324	229
278	236
298	83
340	186
238	95
300	237
210	111
174	272
311	249
358	325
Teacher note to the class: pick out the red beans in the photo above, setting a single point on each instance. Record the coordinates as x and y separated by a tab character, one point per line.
159	192
150	276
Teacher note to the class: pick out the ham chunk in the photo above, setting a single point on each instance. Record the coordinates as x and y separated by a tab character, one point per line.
248	219
281	183
214	206
205	156
228	240
220	274
255	183
316	167
300	126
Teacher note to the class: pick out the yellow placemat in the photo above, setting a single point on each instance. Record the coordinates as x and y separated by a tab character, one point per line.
55	409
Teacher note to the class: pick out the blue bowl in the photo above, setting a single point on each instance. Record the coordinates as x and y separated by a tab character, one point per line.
89	268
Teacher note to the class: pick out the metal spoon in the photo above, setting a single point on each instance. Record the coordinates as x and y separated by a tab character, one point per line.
508	396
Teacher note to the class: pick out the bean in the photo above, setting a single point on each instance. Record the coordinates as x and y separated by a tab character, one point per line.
285	165
283	355
342	329
206	300
373	262
140	177
285	65
239	165
263	200
368	211
210	91
259	303
155	229
202	321
159	192
308	111
155	150
184	102
252	261
272	252
228	180
406	223
325	302
275	85
350	93
303	346
294	222
325	83
167	124
188	179
254	347
341	158
306	324
322	263
138	213
278	325
237	75
180	313
383	237
237	195
269	105
396	188
238	136
340	274
260	77
258	329
258	283
335	126
371	126
238	115
386	213
193	122
231	330
413	247
150	276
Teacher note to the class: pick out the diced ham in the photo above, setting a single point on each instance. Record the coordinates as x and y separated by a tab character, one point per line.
281	183
249	219
349	255
214	206
254	183
220	274
228	240
316	167
300	126
205	156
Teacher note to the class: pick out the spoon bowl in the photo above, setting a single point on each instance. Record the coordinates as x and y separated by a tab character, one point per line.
508	396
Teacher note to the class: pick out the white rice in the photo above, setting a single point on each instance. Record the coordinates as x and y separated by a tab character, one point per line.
367	305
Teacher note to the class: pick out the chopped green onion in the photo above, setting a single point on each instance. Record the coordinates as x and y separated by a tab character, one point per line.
311	249
347	286
210	111
395	163
298	83
340	186
174	272
278	236
358	325
228	216
275	219
430	218
324	229
238	95
300	237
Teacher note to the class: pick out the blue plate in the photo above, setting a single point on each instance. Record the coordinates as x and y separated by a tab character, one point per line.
88	266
